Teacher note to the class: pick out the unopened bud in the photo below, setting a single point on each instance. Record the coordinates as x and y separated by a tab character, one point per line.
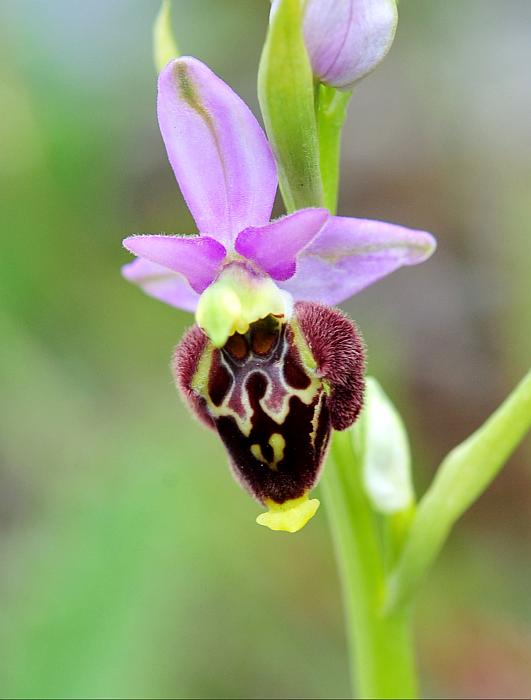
346	39
385	452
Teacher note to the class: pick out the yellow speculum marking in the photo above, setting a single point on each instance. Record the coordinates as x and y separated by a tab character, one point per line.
257	453
278	444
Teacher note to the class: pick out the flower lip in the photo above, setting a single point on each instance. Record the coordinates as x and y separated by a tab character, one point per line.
273	394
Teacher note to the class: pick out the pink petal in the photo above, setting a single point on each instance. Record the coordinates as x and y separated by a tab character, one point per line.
351	254
274	247
218	151
196	257
161	283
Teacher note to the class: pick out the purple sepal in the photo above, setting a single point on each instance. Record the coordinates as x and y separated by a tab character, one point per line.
196	257
218	151
161	283
350	254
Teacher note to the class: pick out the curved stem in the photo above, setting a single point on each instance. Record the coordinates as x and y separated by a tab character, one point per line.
462	477
382	659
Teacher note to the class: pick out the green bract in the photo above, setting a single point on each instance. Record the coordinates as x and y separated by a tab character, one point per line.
286	95
381	440
164	44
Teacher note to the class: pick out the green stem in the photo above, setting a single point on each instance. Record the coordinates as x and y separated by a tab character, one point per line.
382	659
381	652
330	111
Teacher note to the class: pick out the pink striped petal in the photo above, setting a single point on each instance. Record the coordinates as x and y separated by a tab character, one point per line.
218	151
195	257
274	247
161	283
351	254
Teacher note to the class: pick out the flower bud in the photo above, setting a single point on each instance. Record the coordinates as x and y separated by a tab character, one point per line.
346	39
384	452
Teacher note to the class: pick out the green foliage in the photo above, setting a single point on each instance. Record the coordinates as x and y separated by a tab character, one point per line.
462	477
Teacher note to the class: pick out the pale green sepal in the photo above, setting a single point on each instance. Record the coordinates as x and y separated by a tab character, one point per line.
164	44
286	95
386	460
290	516
237	299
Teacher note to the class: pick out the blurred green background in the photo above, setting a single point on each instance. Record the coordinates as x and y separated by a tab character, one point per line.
130	562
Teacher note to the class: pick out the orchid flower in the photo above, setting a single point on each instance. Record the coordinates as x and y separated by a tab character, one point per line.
269	364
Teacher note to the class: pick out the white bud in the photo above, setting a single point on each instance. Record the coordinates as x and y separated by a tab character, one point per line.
385	453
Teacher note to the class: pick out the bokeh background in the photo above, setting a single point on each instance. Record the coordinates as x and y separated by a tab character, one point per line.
130	564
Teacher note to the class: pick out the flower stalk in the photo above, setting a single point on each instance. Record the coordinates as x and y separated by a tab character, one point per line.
381	651
331	110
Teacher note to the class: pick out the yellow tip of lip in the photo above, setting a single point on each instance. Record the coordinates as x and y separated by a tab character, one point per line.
290	516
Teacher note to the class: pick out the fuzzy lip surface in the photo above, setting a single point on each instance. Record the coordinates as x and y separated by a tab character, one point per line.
273	395
227	174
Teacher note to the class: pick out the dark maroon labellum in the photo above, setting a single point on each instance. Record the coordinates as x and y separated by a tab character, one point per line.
274	393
